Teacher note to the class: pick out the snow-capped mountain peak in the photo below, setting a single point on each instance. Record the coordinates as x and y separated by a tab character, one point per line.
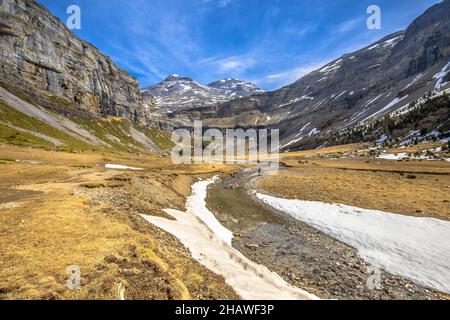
177	93
236	87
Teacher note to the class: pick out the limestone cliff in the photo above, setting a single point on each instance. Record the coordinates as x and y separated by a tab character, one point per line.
39	55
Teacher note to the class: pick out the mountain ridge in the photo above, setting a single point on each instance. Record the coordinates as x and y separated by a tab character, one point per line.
381	77
178	100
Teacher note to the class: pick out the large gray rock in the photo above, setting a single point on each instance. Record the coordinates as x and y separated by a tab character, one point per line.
39	54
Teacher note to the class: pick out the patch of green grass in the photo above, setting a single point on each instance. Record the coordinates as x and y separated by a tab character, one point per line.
6	161
17	137
160	138
11	136
115	132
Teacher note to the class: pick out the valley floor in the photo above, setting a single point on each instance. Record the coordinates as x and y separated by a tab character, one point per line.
60	209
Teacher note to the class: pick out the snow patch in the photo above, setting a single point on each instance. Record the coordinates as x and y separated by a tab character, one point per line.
440	77
394	41
386	108
210	244
313	132
332	67
121	167
417	78
196	205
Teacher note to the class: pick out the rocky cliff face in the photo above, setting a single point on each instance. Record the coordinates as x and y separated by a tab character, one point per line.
39	54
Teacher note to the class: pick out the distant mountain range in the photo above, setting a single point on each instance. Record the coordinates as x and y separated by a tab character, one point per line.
177	93
184	97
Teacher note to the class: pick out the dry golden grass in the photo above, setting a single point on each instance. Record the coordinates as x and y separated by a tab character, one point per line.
50	229
349	148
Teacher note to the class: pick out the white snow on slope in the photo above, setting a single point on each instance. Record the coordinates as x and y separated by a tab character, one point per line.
121	167
394	41
331	67
403	155
396	157
386	108
417	78
292	142
411	247
250	280
340	95
196	205
314	132
303	129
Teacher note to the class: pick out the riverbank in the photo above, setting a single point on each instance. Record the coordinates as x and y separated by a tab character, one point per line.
302	255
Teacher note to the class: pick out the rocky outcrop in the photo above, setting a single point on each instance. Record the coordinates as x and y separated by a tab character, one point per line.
39	54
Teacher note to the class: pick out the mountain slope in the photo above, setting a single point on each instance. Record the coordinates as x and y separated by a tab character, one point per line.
60	93
236	88
357	87
177	93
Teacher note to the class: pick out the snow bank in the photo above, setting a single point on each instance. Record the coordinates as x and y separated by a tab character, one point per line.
401	156
414	248
440	77
390	156
120	167
209	244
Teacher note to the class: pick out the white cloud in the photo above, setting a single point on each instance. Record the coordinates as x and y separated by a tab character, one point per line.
350	25
231	65
224	3
218	3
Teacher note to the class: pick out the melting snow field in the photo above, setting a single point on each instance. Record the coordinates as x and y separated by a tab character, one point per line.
401	156
414	248
210	244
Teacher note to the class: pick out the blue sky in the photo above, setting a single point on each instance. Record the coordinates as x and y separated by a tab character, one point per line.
270	42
